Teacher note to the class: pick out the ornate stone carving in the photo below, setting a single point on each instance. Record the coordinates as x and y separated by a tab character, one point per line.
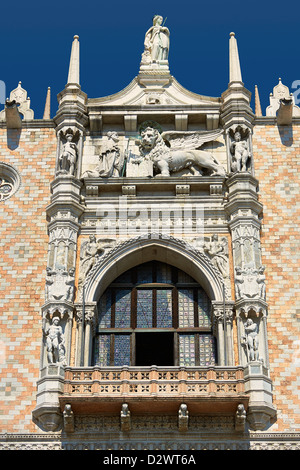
240	418
239	149
55	341
182	152
124	245
250	340
183	417
281	94
60	285
217	251
68	419
157	43
18	96
10	181
125	418
139	166
250	282
69	154
91	250
111	159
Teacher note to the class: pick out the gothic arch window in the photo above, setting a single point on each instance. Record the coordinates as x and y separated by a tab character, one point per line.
154	314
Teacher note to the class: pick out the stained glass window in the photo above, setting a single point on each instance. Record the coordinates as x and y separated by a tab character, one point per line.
122	308
144	309
104	310
203	308
187	356
164	308
122	350
185	308
127	305
102	350
206	350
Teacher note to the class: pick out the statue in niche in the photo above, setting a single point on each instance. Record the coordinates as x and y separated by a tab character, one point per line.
157	42
171	152
110	159
55	341
251	340
68	157
217	251
60	285
240	154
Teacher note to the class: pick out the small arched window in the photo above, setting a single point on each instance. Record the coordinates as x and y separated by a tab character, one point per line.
154	314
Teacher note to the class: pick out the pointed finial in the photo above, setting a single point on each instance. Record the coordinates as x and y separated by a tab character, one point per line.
258	111
47	105
73	76
234	61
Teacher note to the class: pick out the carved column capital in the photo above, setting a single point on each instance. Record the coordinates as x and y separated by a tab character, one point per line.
218	311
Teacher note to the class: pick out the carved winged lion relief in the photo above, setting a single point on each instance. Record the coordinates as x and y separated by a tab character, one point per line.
173	151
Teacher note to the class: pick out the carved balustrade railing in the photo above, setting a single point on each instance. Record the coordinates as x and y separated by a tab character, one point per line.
156	382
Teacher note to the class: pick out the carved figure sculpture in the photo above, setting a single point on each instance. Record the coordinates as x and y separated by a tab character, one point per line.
110	159
218	253
157	40
125	418
55	341
240	418
68	417
251	340
49	281
183	417
261	282
240	153
68	157
166	160
89	251
70	285
238	283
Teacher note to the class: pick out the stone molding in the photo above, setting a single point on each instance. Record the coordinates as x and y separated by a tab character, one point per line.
154	441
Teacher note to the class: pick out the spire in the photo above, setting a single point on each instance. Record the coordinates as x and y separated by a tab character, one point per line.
73	76
47	105
234	61
257	103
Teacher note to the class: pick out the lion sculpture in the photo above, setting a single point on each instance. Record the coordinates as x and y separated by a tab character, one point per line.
168	160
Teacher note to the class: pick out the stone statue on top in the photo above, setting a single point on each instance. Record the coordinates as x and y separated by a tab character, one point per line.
157	42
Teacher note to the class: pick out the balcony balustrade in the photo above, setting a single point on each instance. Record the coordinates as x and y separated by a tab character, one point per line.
154	389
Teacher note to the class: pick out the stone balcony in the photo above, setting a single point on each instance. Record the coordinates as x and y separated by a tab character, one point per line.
154	389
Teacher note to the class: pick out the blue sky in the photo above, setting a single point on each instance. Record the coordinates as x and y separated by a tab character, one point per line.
36	40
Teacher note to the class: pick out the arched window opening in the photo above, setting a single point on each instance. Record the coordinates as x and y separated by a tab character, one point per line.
154	314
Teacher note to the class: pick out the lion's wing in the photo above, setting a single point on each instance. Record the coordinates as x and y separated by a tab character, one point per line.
190	140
